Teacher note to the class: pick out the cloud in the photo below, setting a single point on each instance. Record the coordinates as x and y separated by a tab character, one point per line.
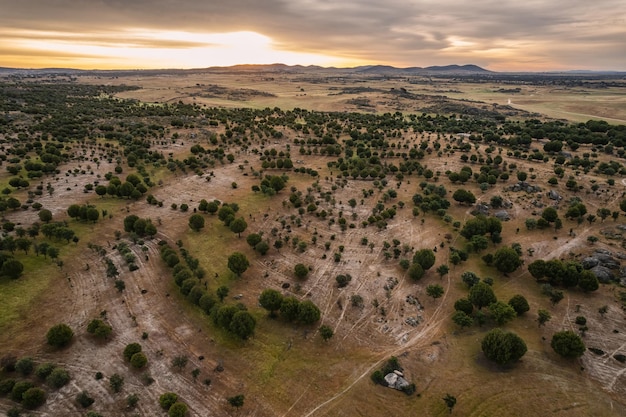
397	32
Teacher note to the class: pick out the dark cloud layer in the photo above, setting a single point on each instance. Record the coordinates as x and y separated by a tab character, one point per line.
501	34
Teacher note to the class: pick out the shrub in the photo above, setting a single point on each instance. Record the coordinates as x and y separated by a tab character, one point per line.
25	366
138	360
33	398
59	335
44	370
58	378
167	400
84	400
19	389
177	409
130	350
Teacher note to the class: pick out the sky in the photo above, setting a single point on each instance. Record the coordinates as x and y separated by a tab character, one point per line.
499	35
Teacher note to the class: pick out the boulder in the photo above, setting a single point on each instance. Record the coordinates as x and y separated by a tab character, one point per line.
503	215
553	195
395	381
482	208
607	260
603	274
590	262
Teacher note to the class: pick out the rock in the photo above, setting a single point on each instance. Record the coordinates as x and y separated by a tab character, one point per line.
395	381
607	261
603	274
482	208
503	215
553	195
590	262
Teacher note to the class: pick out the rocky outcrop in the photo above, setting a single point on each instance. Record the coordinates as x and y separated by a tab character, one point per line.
395	380
503	215
603	264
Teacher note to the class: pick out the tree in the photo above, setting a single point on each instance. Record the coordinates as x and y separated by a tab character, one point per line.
506	260
271	300
289	308
139	360
45	215
503	347
238	226
568	344
588	282
12	268
308	313
238	263
622	205
519	304
166	400
99	329
470	279
415	272
33	398
501	312
443	269
464	305
434	290
236	401
58	378
59	335
550	214
222	292
462	319
196	222
25	365
253	239
450	402
300	271
543	316
464	196
130	350
180	361
116	382
481	295
177	409
242	324
425	258
326	332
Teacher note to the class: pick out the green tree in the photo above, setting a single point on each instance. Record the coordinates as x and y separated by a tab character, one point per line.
271	300
130	350
238	226
222	292
519	304
543	316
116	382
462	319
138	360
178	409
434	290
236	401
443	269
253	239
33	398
300	271
180	361
58	378
12	268
238	263
59	335
99	329
550	214
568	344
326	332
481	295
45	215
242	324
464	305
415	272
166	400
196	222
588	282
503	347
308	313
501	312
506	260
425	258
289	308
450	402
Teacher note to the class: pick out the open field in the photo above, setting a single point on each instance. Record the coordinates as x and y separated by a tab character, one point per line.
287	369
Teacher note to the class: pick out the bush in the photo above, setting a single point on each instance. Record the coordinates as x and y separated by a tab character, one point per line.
59	335
130	350
84	400
116	382
33	398
19	389
519	304
138	360
99	328
6	386
167	400
58	377
177	409
503	347
44	370
25	366
568	344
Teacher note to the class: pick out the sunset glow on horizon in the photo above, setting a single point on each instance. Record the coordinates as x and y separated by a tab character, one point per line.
502	36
